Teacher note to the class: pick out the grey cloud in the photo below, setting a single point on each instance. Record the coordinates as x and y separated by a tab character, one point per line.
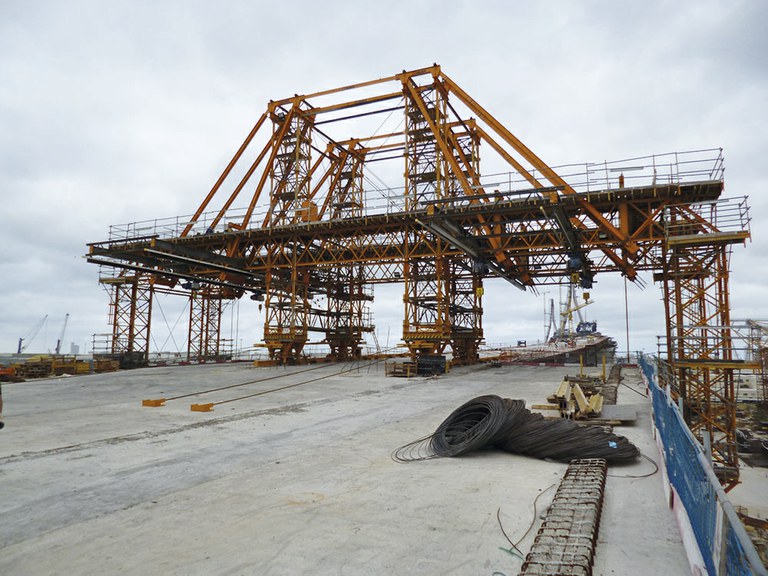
122	111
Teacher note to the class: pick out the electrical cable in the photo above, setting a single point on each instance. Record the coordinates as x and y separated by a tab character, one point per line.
501	526
651	460
535	514
512	553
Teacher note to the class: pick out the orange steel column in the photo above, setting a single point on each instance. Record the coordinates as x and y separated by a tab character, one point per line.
204	335
699	342
287	290
426	326
345	293
131	316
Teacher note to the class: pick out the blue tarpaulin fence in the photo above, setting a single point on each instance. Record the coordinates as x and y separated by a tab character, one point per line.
720	535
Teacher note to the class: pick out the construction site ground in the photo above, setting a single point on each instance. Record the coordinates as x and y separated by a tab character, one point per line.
296	481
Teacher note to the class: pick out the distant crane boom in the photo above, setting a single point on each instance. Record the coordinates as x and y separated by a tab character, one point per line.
570	306
61	337
30	336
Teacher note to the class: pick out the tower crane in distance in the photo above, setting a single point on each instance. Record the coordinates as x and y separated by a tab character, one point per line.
61	337
30	336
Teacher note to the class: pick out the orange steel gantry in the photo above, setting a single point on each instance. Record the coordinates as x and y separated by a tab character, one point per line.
381	182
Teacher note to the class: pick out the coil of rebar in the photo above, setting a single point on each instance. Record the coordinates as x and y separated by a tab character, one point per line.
491	421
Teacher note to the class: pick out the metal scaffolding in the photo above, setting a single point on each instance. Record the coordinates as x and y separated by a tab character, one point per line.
700	336
130	315
309	220
204	339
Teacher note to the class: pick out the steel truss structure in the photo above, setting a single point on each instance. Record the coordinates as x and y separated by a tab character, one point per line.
700	336
204	339
309	219
130	314
758	354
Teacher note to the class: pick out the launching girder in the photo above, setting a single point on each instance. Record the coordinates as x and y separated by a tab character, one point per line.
307	219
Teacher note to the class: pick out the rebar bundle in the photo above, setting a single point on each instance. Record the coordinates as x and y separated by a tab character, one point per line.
494	422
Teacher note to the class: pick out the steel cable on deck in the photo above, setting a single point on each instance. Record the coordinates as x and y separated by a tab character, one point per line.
494	422
209	406
262	392
239	385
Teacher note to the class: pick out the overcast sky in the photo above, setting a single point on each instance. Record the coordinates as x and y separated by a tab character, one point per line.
113	112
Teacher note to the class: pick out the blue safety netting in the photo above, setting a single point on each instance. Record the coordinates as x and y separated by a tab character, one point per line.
693	484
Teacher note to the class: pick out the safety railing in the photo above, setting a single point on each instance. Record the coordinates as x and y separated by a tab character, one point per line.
740	341
723	542
716	216
174	226
657	169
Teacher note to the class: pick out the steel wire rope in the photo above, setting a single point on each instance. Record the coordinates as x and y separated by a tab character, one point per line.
368	170
633	390
170	330
476	424
375	187
200	393
330	140
262	392
401	101
152	334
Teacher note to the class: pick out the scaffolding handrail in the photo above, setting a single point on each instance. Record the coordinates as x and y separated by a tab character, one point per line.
657	169
714	216
737	341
